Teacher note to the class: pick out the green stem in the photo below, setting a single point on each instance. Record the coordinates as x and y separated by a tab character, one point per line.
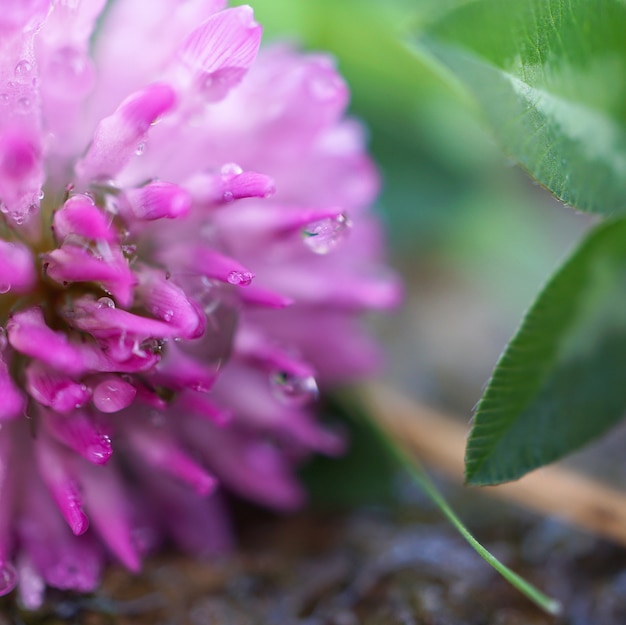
417	472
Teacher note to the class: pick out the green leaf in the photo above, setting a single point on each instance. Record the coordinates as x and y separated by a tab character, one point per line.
561	380
363	475
550	78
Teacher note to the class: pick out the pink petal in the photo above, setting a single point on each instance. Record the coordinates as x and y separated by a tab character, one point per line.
231	184
9	465
257	296
257	348
79	432
109	508
200	404
81	217
18	15
128	27
158	450
165	300
21	171
220	51
106	265
28	334
199	525
212	264
64	560
59	476
158	200
103	320
13	401
17	267
272	221
117	136
54	389
252	467
32	586
179	371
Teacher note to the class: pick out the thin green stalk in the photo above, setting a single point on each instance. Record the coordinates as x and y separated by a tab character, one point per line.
417	472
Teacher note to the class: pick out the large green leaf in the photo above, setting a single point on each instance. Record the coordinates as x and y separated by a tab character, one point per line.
562	379
550	77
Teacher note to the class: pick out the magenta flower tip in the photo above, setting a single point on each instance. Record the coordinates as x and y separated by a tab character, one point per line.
185	250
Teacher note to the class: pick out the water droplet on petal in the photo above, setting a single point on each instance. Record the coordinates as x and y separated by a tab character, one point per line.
4	288
292	389
22	71
70	71
200	387
231	169
144	539
240	278
153	345
228	196
24	105
100	451
106	302
140	149
129	250
8	578
326	234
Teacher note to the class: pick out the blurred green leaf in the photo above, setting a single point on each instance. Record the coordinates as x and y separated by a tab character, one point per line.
363	475
550	77
560	381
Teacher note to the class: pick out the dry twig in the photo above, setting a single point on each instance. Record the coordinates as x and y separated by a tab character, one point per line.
440	442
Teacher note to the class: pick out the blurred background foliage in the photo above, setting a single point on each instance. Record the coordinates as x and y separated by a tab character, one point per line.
472	235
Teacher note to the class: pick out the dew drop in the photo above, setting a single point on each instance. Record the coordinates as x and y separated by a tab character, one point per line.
144	539
208	295
153	345
106	302
41	195
24	105
200	387
129	250
240	278
22	71
5	287
325	235
228	196
70	71
140	149
99	451
231	169
8	578
292	389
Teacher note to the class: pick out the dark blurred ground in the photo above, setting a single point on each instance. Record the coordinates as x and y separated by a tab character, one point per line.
368	567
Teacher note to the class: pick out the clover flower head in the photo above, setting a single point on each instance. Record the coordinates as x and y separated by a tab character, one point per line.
176	277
